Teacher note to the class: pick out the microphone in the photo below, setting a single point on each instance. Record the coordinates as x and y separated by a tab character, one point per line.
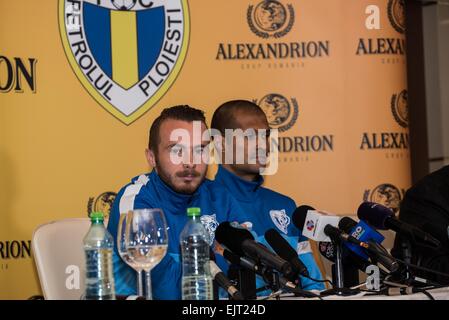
263	272
375	250
320	227
361	231
241	242
242	261
350	261
312	223
245	275
285	251
224	282
335	233
232	237
383	218
327	250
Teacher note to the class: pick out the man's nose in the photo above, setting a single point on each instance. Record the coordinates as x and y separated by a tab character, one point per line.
188	161
189	165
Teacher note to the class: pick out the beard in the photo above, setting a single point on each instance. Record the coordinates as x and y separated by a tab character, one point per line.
176	180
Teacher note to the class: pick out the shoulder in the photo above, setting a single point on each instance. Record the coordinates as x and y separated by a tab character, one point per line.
278	198
134	186
214	190
432	182
135	190
211	185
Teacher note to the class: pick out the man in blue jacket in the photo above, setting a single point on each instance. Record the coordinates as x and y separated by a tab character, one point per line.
264	208
176	183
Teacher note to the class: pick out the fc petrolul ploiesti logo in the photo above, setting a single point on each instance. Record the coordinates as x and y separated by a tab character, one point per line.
102	203
270	19
399	108
385	194
281	113
126	53
396	14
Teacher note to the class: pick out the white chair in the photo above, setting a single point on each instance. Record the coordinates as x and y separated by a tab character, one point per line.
59	256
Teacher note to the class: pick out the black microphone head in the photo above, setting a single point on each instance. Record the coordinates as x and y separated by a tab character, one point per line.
286	252
280	245
299	216
375	214
231	257
232	237
346	224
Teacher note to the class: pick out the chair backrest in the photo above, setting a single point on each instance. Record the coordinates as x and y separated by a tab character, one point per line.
59	256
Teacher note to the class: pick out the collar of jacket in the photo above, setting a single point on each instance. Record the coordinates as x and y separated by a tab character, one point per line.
174	201
241	189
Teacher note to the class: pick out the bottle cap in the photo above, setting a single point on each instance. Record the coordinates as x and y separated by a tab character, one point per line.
96	216
193	212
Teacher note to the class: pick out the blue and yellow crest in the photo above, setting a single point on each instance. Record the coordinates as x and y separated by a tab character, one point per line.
126	53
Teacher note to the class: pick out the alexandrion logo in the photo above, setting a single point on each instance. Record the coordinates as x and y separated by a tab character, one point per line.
396	14
399	108
390	140
102	203
269	19
126	53
385	194
281	112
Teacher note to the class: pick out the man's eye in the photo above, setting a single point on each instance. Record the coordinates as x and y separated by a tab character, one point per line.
176	151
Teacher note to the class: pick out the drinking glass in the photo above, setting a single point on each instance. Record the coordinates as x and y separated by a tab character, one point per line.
146	240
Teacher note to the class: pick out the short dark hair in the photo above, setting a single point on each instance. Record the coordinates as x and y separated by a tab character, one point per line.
181	112
224	116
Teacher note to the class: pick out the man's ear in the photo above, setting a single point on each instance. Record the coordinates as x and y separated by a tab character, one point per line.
151	157
219	146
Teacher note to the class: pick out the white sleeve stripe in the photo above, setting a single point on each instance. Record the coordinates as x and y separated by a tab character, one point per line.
128	197
143	179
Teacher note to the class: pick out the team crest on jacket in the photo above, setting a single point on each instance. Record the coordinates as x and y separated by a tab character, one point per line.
126	53
280	219
210	223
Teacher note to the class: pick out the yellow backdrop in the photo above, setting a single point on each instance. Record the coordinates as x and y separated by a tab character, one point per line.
330	75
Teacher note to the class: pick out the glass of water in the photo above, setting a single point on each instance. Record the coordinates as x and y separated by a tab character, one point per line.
146	241
123	252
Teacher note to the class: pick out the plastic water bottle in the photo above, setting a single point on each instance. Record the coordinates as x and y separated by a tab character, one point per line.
196	276
98	246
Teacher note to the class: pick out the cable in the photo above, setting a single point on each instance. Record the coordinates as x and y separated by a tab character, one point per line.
295	290
322	281
424	269
304	293
273	295
428	294
360	285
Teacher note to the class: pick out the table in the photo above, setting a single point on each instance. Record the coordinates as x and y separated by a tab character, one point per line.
438	294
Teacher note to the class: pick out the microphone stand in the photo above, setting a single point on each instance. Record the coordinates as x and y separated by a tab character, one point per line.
339	288
339	267
272	280
406	247
245	280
